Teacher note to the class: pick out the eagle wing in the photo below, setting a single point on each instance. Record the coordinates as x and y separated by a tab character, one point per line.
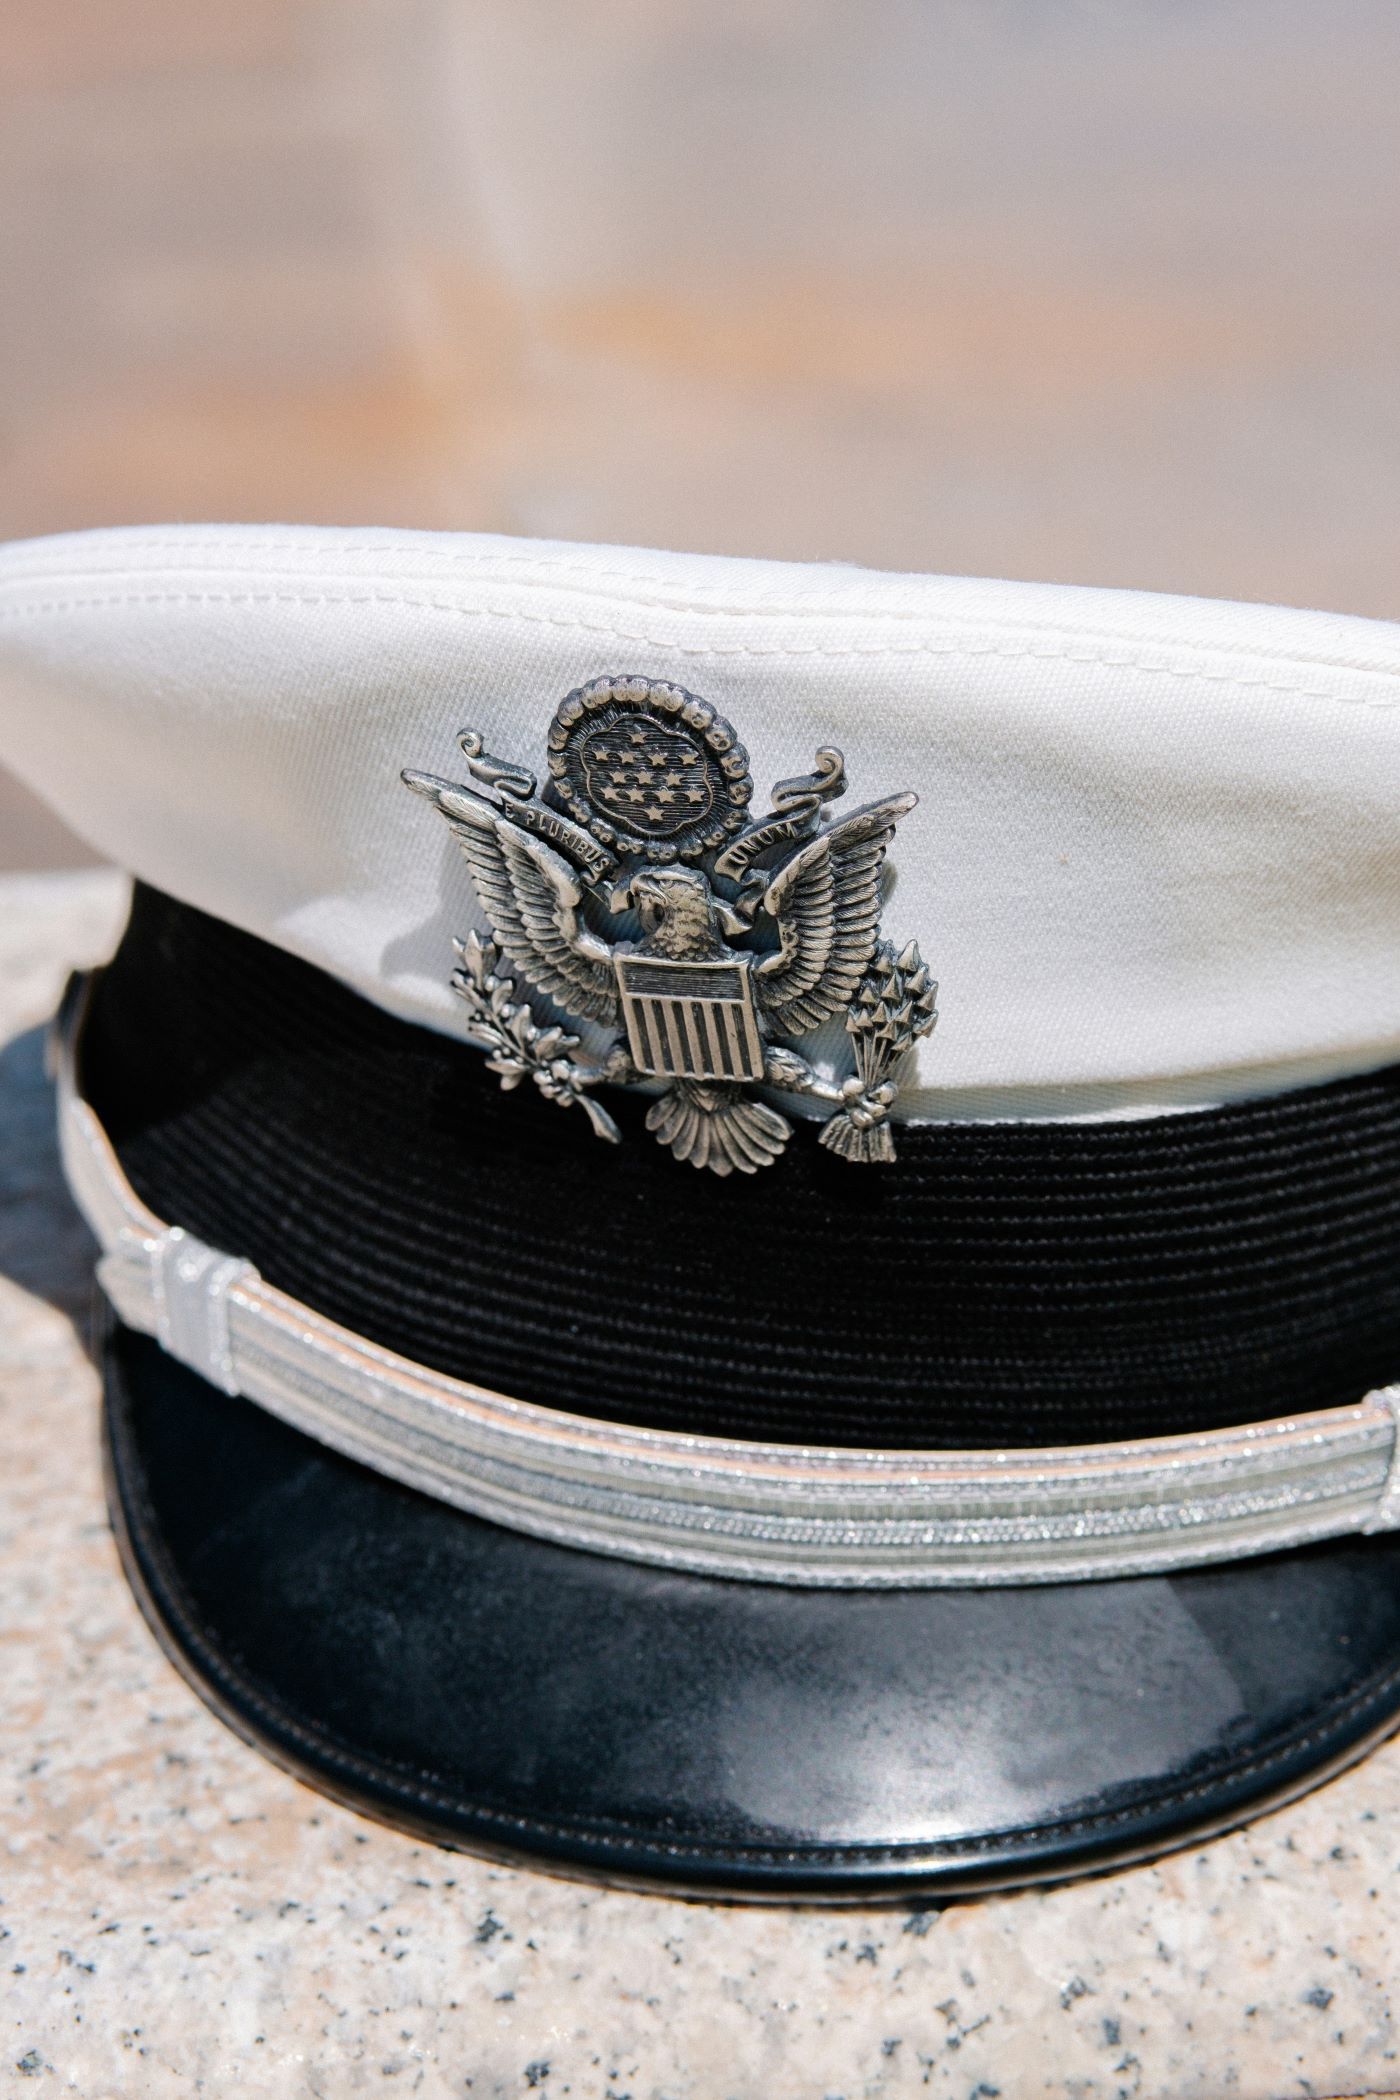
826	904
531	896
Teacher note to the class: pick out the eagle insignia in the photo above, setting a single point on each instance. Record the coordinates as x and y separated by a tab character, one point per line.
636	891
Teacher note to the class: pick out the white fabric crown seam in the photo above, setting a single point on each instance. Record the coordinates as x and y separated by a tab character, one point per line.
699	650
766	609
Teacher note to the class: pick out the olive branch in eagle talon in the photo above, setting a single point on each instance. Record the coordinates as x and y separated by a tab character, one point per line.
635	892
517	1047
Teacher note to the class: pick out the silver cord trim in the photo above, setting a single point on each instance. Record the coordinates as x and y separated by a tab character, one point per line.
812	1516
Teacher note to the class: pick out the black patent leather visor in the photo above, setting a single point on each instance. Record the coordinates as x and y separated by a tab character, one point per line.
505	1695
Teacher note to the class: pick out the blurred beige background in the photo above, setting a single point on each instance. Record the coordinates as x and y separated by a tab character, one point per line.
1095	290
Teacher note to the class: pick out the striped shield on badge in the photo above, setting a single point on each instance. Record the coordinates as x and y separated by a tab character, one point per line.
690	1020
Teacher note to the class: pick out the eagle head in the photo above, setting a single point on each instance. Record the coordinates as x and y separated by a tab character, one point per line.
678	913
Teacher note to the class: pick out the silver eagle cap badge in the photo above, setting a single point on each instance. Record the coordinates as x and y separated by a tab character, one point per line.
636	892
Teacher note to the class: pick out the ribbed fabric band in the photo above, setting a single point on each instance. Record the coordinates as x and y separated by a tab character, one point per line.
800	1514
1003	1285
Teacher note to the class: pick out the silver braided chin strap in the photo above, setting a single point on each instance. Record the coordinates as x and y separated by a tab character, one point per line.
760	1512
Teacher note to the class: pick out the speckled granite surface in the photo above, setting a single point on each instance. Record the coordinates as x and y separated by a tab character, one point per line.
177	1917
